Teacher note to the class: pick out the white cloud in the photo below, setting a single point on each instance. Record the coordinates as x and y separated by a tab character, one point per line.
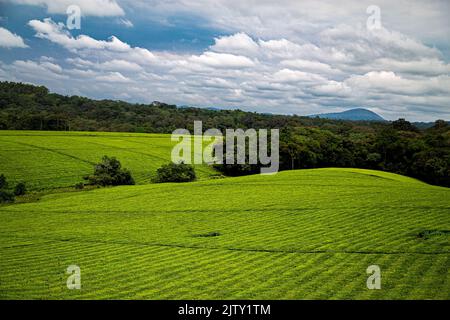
28	69
114	77
120	65
110	65
422	66
388	82
56	33
288	75
239	43
98	8
363	45
332	89
222	60
10	40
310	66
125	22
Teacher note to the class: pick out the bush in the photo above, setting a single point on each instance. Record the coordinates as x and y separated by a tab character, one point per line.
79	186
175	172
109	172
6	196
3	182
20	189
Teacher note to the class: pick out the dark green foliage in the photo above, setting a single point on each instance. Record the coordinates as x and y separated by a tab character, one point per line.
235	169
109	173
403	125
20	189
5	194
3	182
79	186
398	148
440	124
209	234
433	233
175	172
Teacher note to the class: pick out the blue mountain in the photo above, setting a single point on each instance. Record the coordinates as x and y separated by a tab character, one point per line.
358	114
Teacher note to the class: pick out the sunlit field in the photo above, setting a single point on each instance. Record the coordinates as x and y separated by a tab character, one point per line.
46	160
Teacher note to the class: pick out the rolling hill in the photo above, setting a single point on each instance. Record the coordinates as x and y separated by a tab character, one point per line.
49	159
358	114
303	234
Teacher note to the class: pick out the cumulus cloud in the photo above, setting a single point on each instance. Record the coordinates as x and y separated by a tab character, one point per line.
222	60
422	66
32	70
294	76
55	32
98	8
10	40
237	43
388	82
111	65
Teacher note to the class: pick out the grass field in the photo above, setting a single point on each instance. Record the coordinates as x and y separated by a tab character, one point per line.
48	160
305	234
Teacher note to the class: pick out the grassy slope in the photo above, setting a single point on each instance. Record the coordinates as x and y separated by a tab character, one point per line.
307	234
47	160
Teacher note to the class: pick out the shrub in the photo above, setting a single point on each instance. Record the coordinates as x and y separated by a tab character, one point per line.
6	196
3	182
20	189
209	234
79	185
175	172
109	172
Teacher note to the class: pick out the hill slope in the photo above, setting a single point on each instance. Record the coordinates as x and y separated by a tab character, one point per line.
46	160
358	114
307	234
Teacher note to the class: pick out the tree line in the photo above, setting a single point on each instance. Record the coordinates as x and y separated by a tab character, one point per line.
398	147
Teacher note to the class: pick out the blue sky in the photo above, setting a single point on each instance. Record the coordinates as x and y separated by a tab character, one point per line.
295	57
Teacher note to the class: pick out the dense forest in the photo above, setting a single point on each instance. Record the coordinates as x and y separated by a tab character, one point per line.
397	146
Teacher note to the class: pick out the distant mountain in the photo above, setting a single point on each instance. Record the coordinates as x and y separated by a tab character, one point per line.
358	114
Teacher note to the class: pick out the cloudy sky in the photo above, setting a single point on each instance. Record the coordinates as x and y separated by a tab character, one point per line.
296	57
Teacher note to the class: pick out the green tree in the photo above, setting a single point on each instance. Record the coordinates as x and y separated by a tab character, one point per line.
3	182
20	189
109	172
175	172
5	194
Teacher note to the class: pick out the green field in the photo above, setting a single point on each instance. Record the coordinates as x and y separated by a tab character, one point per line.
304	234
48	160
